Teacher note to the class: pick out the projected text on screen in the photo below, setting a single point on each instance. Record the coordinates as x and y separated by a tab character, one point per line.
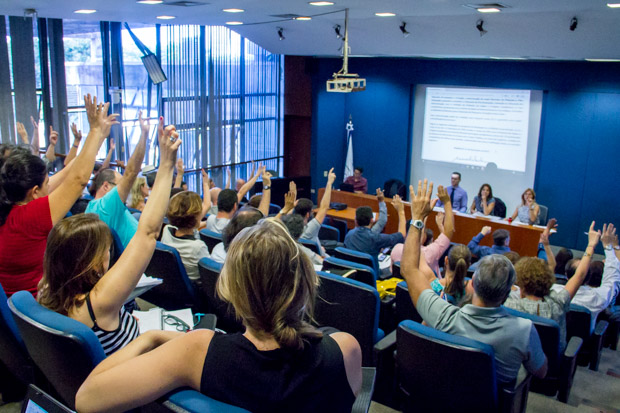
476	127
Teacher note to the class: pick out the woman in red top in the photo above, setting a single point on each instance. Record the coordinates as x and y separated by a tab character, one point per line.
31	202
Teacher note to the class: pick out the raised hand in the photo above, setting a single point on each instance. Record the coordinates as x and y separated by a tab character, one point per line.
292	187
421	202
169	142
486	230
98	117
77	134
144	124
398	204
180	166
112	145
266	177
443	194
593	236
609	234
439	219
205	177
331	177
290	197
380	195
53	136
21	131
35	125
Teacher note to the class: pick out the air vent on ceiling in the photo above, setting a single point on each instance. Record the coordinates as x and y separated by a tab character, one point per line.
286	16
486	6
185	3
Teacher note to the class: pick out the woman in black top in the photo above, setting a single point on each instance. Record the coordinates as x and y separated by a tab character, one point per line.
281	363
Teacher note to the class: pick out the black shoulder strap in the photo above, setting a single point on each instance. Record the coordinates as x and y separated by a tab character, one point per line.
90	309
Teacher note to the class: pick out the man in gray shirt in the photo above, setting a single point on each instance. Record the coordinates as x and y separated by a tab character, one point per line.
514	340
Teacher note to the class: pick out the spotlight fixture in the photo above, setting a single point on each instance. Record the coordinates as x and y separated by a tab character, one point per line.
85	11
234	23
150	2
281	33
479	26
233	10
403	29
30	13
166	17
337	30
385	14
573	24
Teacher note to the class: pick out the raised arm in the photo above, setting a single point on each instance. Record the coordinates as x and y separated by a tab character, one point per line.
249	184
448	222
584	264
472	208
114	287
77	138
544	240
488	207
108	158
206	195
265	201
289	200
180	171
327	197
63	198
382	220
410	261
228	180
34	144
397	203
50	154
22	133
474	245
135	162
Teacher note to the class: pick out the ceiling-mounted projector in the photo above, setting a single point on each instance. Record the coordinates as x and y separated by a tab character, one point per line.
343	81
346	83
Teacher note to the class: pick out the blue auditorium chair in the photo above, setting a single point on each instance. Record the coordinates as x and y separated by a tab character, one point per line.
579	324
352	307
329	233
359	257
403	306
210	238
437	371
177	291
311	245
363	273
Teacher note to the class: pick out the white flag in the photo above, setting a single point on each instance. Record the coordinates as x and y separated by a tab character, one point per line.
348	164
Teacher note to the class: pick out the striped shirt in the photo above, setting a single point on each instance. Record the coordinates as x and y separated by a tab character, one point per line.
114	340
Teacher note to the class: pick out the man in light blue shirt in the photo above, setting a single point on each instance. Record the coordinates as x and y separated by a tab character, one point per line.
112	189
457	195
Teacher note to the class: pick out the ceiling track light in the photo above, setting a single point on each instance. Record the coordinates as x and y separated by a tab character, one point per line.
479	26
281	33
573	24
337	31
30	13
403	29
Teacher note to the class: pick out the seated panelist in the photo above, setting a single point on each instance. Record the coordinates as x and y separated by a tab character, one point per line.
484	202
529	210
360	184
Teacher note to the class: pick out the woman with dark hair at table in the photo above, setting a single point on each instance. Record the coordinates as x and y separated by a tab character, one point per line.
484	202
280	364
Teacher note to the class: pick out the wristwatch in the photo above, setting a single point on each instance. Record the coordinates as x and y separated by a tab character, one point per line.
418	224
266	187
609	247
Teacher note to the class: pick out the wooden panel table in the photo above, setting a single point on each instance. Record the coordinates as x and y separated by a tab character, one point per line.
523	238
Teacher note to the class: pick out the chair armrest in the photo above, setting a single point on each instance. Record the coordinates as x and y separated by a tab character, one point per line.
362	401
207	321
600	328
385	391
573	347
386	345
514	400
186	400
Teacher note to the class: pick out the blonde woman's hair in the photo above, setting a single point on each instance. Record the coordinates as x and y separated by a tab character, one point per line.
184	210
136	192
271	283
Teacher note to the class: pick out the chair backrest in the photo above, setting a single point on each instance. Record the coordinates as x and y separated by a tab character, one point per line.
549	333
363	273
209	271
393	187
210	238
182	401
404	308
327	232
274	209
64	349
118	247
177	291
352	307
13	353
396	270
310	245
542	215
339	224
359	257
578	322
499	210
441	372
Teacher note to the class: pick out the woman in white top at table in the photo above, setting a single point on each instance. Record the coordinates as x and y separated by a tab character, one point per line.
529	210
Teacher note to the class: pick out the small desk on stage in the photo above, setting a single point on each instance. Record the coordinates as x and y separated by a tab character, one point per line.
523	238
